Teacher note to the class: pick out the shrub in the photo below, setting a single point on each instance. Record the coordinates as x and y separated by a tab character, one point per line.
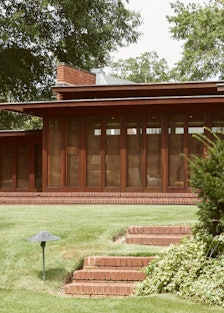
186	270
207	178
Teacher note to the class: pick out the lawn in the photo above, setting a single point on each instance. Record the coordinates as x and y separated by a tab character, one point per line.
83	230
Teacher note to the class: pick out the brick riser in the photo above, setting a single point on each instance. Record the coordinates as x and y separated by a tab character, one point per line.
107	276
97	198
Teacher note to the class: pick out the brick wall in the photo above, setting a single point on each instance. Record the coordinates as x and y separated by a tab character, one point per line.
69	75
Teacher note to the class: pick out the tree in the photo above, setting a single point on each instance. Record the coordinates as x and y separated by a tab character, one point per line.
146	68
34	35
200	27
207	178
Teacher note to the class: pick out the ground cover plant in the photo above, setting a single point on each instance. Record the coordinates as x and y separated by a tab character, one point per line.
84	230
187	271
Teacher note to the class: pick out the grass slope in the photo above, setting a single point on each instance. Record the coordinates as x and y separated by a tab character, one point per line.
84	230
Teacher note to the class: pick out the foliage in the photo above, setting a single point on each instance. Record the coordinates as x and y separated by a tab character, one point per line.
186	271
12	121
200	27
34	35
146	68
207	178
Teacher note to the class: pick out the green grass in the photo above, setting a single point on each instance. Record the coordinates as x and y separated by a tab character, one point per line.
84	230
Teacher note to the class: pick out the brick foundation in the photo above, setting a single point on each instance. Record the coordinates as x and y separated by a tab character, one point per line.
97	198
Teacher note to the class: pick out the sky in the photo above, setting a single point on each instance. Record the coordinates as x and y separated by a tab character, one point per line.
155	29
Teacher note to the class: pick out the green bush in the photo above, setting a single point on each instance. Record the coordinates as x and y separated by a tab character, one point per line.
187	271
207	178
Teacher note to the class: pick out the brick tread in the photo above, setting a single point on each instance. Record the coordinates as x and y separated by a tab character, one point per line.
166	230
117	261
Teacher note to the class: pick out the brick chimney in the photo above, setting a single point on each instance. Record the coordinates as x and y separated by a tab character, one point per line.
69	75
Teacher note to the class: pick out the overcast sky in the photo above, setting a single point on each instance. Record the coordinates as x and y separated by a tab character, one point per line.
155	29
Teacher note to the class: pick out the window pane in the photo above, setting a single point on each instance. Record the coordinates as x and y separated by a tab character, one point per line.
7	157
112	162
93	152
175	146
54	153
134	149
153	151
195	126
38	166
217	122
22	166
73	128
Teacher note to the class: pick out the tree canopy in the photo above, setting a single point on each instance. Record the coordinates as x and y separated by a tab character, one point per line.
200	27
146	68
34	35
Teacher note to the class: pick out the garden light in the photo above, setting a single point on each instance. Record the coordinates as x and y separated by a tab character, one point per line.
43	237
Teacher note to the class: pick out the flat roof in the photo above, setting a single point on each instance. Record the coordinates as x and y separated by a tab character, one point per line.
124	95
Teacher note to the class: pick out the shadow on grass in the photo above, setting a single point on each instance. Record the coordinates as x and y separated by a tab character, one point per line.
53	274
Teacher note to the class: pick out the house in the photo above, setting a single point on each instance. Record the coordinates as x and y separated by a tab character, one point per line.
116	137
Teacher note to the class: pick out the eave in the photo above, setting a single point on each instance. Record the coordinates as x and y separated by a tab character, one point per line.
43	107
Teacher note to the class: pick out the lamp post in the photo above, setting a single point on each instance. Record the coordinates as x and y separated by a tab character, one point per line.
43	237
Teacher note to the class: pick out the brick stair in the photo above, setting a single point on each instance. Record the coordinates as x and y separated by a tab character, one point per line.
156	235
107	276
97	198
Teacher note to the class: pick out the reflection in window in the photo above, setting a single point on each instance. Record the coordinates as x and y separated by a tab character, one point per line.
73	128
175	149
112	161
153	151
93	152
22	166
217	121
6	159
195	126
54	152
38	166
134	148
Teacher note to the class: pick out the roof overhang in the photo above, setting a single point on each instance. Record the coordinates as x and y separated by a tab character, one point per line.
39	108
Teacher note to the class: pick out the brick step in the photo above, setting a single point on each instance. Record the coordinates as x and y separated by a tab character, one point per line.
166	230
109	275
99	289
96	198
117	262
156	235
153	240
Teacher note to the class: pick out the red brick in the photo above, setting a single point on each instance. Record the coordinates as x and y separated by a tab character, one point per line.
67	74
